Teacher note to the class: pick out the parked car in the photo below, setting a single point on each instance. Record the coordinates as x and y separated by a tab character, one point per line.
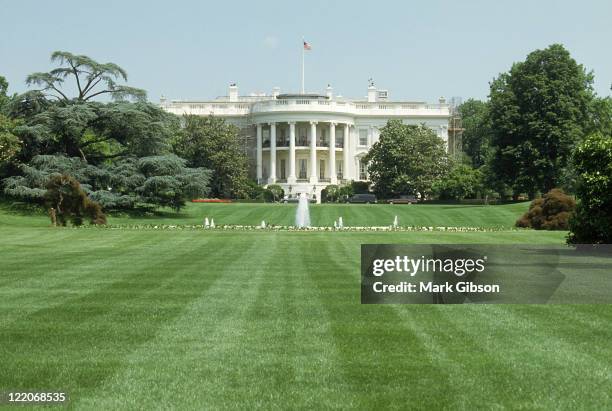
362	198
403	199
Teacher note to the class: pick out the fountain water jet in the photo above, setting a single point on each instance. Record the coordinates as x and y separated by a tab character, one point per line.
302	215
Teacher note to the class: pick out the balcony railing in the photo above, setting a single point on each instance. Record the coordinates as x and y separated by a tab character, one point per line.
272	105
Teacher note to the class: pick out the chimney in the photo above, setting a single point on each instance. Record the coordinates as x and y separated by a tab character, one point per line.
233	92
329	92
275	92
442	100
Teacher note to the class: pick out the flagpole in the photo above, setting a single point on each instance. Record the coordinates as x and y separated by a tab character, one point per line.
303	65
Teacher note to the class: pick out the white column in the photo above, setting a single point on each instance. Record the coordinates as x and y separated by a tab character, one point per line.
332	154
259	154
272	173
370	136
345	154
291	178
313	152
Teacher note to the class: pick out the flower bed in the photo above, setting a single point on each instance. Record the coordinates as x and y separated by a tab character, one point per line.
235	227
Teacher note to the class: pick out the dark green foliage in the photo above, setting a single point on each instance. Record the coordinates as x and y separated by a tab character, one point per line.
539	110
551	212
97	132
251	191
461	182
127	184
345	192
10	144
211	143
66	201
407	159
360	187
274	192
592	221
330	194
476	138
4	99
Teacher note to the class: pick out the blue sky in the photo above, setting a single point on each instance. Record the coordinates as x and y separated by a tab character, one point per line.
194	49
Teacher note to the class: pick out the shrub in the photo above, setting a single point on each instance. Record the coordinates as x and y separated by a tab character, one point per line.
275	191
330	194
551	212
345	192
66	200
592	221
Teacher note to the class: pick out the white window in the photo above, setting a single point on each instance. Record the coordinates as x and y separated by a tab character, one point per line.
321	168
363	137
339	173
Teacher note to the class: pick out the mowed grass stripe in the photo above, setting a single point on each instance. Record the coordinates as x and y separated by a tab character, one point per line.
76	345
375	345
522	352
203	355
51	281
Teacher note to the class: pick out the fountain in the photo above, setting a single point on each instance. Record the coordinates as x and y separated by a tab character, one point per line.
395	222
263	224
212	223
302	215
340	223
206	223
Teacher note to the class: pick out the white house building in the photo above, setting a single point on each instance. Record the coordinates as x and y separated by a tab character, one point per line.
305	142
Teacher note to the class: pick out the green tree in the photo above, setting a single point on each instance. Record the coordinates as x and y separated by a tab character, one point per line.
592	220
476	137
131	183
97	132
4	98
407	159
539	111
90	77
211	143
461	182
10	144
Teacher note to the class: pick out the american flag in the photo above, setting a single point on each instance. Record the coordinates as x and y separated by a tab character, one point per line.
307	46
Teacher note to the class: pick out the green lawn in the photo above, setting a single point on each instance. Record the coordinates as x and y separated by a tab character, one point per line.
194	319
322	215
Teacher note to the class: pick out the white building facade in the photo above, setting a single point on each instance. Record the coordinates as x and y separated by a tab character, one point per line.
305	142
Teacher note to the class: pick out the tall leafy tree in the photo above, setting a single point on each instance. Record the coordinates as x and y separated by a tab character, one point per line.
90	77
211	143
476	137
406	159
4	99
10	144
539	111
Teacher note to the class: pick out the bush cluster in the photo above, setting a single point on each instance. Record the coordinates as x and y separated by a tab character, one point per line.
551	212
66	200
